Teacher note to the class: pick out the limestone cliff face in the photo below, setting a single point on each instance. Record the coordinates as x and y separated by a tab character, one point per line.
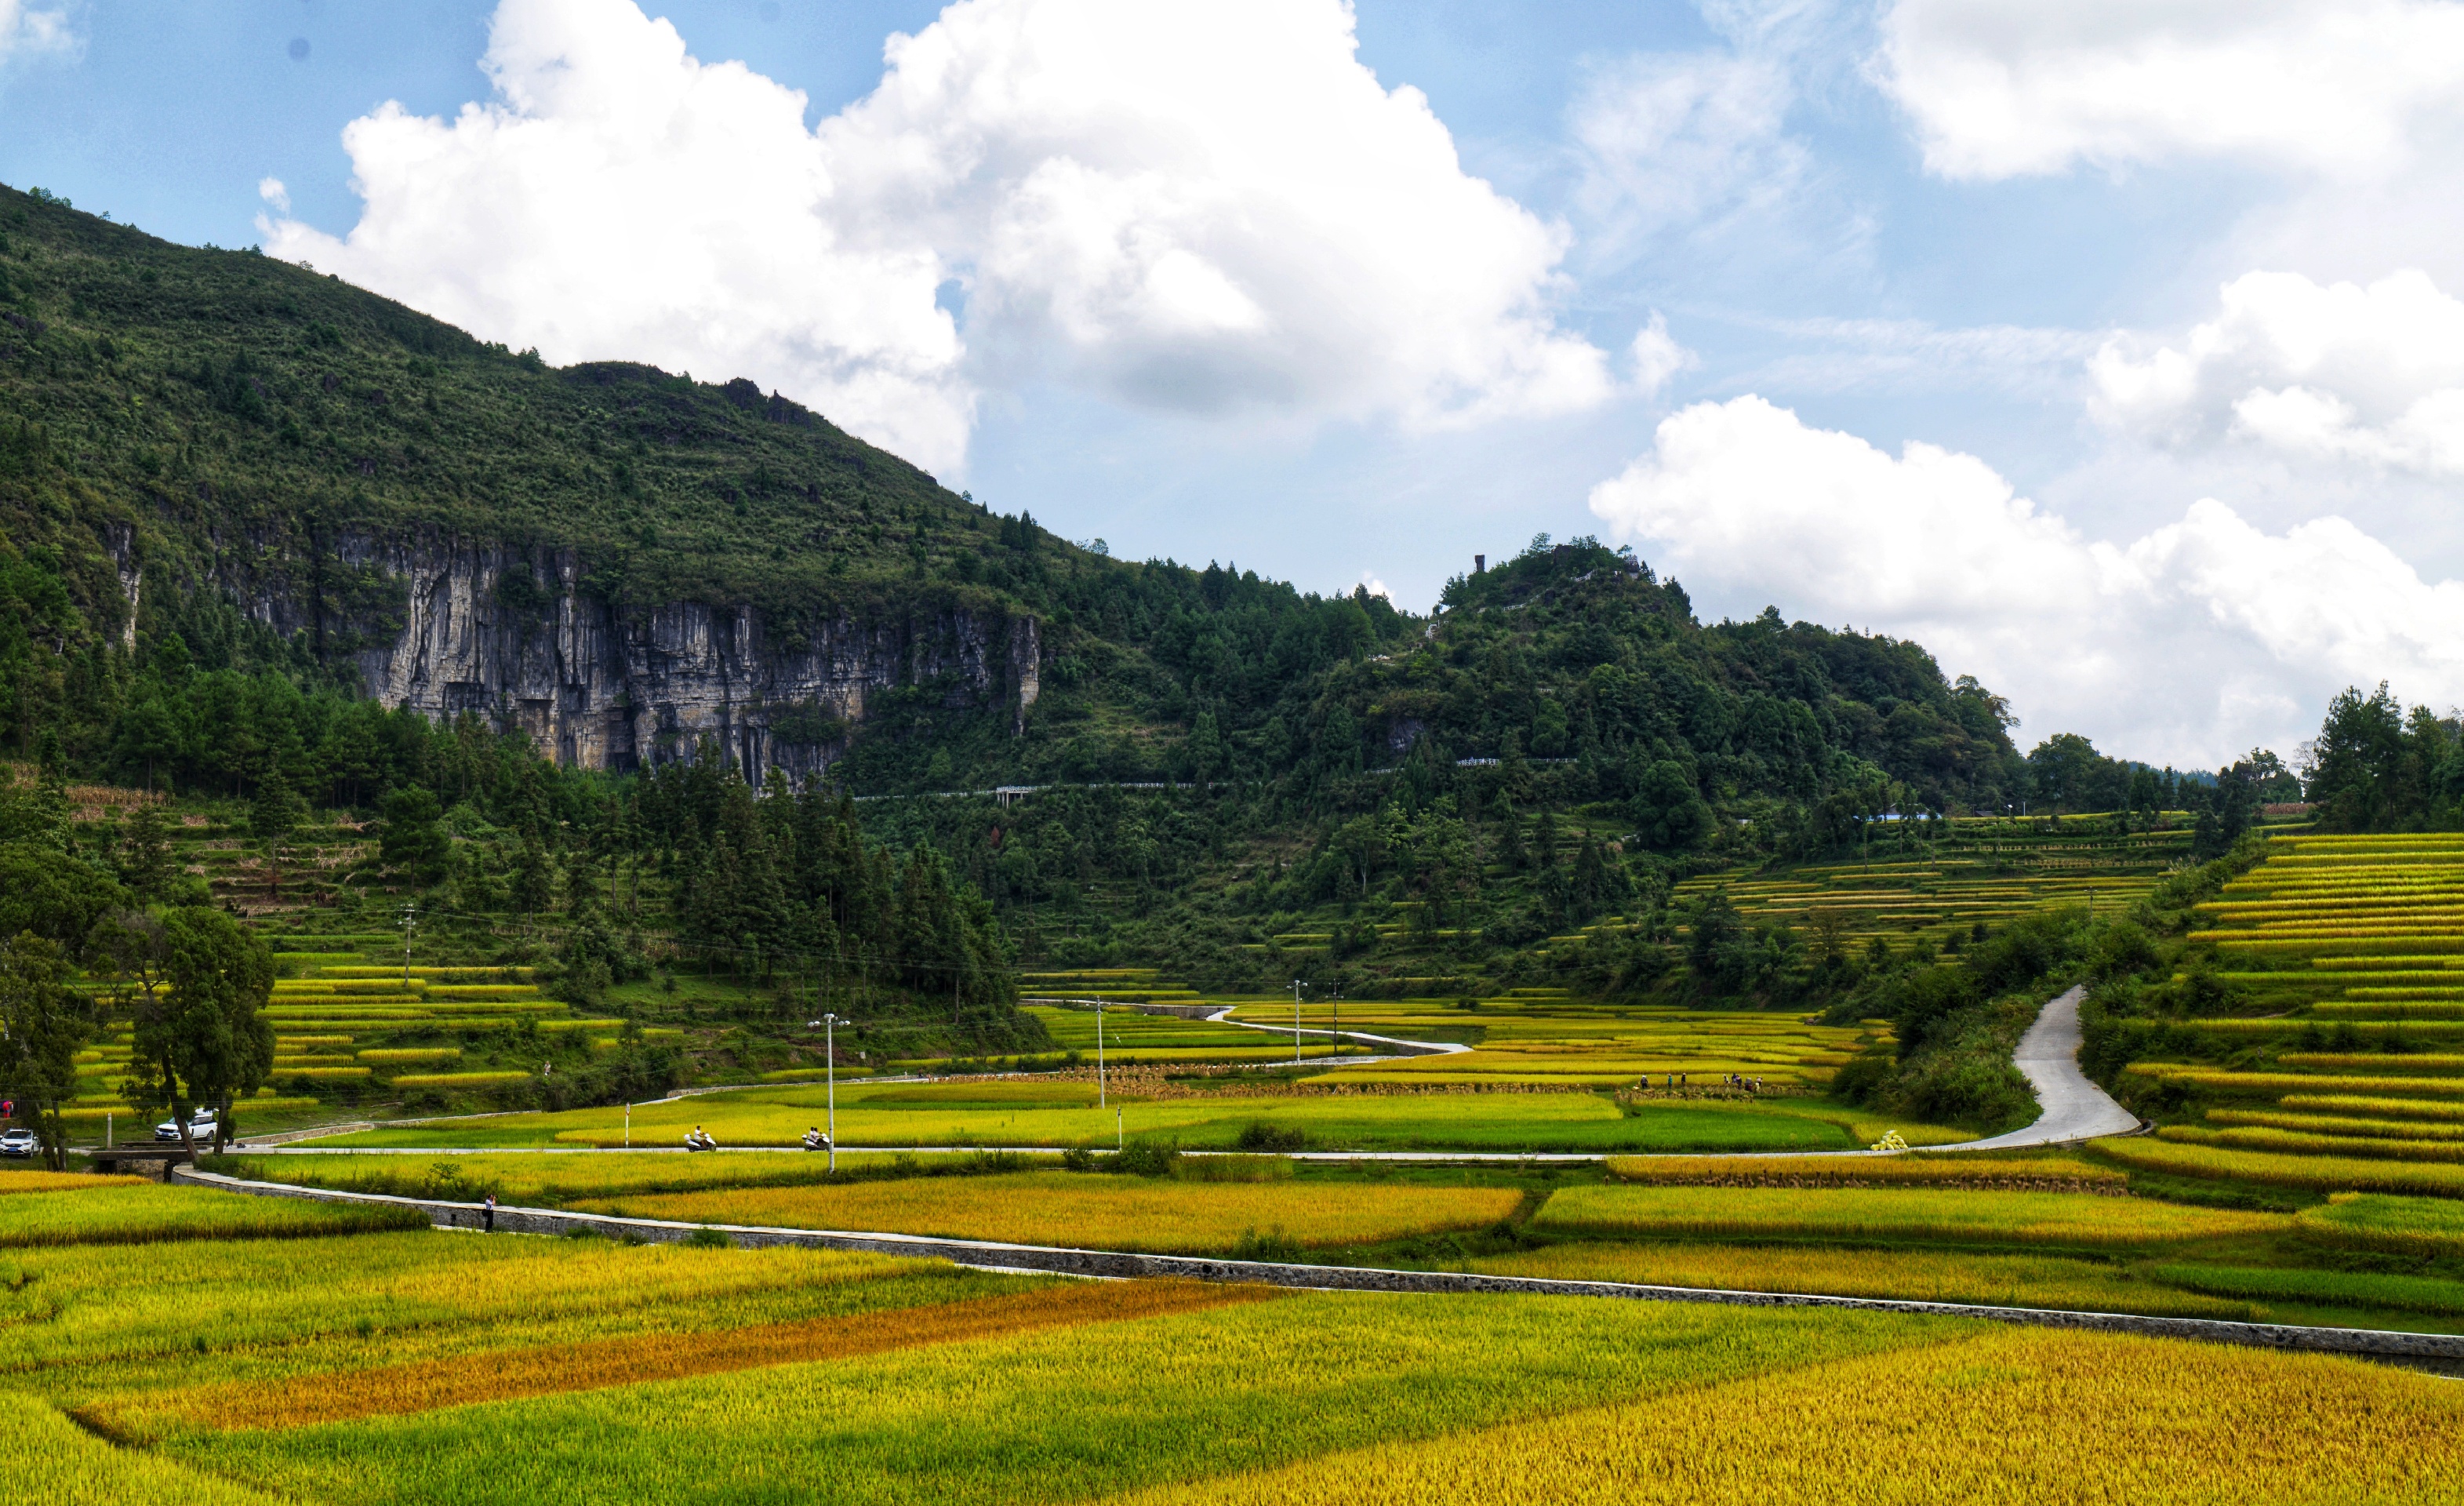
506	632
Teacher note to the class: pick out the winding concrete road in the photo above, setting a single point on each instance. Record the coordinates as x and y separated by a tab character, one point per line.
2074	1109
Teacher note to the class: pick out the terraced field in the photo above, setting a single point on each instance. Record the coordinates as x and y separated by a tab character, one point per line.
2337	1063
1543	1036
1980	871
346	1019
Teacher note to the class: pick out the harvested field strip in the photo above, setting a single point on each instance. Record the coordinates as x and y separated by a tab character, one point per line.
2002	1417
1892	1215
426	1385
1994	1279
2315	1173
2031	1174
2332	1124
1094	1210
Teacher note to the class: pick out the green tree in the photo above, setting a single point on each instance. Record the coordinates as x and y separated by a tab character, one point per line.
43	1021
53	895
193	981
534	880
413	840
145	863
274	816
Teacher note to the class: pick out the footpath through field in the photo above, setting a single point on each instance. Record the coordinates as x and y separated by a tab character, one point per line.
1124	1265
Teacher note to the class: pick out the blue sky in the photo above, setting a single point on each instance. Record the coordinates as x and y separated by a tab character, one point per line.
2115	352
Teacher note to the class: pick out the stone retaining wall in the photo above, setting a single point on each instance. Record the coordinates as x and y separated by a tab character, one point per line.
1352	1278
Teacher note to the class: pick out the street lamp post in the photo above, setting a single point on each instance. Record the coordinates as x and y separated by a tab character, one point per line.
1099	1053
1296	1022
829	1024
410	926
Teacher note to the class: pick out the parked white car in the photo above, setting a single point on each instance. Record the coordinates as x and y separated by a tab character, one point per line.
202	1127
19	1142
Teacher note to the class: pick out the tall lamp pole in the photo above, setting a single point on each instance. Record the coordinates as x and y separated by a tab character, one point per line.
1296	1022
1099	1053
829	1024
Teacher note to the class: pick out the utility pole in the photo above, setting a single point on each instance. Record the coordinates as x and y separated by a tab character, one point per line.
1296	1022
410	925
1099	1053
829	1024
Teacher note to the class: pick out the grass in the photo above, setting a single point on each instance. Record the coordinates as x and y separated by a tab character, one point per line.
148	1215
2000	1416
1097	1211
1890	1216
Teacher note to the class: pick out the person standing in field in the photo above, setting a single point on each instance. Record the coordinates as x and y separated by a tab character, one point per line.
488	1215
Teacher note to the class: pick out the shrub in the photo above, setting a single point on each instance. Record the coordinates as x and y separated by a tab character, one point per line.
1145	1159
1259	1135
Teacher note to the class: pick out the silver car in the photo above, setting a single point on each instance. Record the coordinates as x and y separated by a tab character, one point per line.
18	1143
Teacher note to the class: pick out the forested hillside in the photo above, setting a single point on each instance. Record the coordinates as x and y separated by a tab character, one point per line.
240	501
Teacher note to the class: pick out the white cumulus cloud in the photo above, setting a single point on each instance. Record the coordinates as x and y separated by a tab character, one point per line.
1999	88
621	199
2200	637
1655	357
28	31
2371	373
1207	206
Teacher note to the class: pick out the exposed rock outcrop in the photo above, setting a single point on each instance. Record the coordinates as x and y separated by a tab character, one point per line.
508	633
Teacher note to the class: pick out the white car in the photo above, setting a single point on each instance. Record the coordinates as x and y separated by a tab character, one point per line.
202	1127
18	1143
